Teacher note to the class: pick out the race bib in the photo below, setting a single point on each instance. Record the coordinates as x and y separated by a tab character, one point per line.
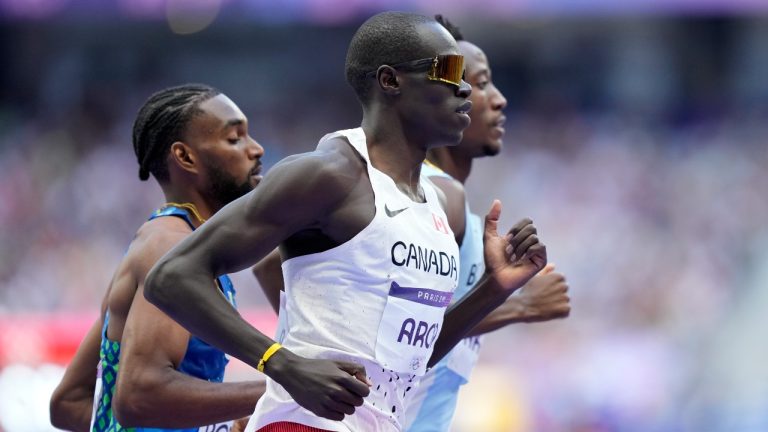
218	427
409	328
464	355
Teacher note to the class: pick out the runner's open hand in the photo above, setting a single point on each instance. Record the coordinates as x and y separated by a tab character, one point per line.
515	258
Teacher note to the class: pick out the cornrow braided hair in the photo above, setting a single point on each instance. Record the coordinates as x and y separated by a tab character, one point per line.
452	29
161	121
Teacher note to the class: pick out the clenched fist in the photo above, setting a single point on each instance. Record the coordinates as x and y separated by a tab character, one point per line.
513	259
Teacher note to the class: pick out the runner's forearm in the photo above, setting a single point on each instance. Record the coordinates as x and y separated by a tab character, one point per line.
193	300
171	399
511	311
465	314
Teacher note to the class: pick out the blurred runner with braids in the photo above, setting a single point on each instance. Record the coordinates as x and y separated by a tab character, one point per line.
151	372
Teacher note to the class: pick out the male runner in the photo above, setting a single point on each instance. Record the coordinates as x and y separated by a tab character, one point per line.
544	297
194	141
371	263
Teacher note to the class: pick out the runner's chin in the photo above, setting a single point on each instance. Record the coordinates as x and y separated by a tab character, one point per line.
463	120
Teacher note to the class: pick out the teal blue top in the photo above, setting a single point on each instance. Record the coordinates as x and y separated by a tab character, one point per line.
201	360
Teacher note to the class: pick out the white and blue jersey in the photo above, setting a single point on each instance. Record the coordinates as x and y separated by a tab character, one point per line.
434	402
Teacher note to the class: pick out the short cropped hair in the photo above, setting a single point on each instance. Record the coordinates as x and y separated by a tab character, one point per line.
385	38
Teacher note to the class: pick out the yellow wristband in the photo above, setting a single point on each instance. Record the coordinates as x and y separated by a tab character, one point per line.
270	351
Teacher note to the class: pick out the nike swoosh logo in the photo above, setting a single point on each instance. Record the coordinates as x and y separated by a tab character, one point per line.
393	213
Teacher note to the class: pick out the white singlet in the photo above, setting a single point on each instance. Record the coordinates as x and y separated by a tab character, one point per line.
377	300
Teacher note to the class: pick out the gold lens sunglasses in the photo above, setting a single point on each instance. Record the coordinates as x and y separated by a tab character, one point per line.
448	68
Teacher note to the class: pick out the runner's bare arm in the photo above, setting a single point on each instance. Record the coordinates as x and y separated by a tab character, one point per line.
543	298
298	193
150	391
72	402
510	260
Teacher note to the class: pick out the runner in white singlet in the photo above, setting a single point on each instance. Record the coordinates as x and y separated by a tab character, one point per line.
370	260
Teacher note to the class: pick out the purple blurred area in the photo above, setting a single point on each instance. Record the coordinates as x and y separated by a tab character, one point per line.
339	11
637	140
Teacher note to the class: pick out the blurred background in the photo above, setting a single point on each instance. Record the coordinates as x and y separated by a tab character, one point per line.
637	140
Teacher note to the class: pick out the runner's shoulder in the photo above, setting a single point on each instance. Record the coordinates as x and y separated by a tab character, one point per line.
159	234
333	166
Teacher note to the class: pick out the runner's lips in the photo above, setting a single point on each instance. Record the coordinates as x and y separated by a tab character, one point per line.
256	170
464	108
500	121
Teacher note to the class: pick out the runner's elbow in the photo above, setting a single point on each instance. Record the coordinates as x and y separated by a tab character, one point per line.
57	410
67	412
158	285
127	411
132	401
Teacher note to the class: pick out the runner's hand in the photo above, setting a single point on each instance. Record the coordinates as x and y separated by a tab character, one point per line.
544	297
328	388
514	258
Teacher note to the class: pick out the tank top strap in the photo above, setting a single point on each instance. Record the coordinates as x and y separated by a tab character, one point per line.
173	211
